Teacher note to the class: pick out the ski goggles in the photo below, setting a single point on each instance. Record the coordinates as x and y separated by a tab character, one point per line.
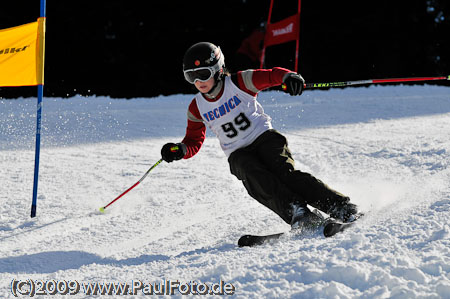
201	74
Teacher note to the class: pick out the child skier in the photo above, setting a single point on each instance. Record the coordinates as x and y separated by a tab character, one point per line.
257	154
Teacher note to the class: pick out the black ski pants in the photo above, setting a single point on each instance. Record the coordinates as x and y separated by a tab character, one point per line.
266	168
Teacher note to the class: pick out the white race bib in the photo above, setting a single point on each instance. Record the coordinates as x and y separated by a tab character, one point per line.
236	118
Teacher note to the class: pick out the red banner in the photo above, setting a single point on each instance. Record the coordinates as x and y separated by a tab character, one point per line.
283	31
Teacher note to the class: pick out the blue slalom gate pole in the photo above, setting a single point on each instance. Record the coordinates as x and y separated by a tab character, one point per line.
38	149
40	95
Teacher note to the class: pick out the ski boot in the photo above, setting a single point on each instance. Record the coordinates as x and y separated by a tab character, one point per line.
305	220
344	211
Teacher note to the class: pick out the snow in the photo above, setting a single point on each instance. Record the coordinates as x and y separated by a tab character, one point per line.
387	147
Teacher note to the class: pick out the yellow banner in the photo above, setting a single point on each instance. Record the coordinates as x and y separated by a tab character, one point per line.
22	54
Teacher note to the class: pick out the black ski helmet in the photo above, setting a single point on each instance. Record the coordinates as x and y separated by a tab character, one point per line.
204	55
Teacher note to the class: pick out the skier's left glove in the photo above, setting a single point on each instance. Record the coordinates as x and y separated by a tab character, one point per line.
293	84
173	151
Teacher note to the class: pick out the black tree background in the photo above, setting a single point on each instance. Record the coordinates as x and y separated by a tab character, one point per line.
134	48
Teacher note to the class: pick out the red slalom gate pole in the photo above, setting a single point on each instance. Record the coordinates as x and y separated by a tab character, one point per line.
372	81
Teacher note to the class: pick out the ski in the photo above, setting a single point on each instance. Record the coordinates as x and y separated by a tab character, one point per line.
334	227
253	240
329	229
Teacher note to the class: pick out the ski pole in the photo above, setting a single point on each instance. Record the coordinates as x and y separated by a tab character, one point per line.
102	209
372	81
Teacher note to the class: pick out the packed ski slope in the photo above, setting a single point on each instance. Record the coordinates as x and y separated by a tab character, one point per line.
387	147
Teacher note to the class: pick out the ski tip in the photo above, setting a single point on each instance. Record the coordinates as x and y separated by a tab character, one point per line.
333	228
254	240
102	210
246	240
